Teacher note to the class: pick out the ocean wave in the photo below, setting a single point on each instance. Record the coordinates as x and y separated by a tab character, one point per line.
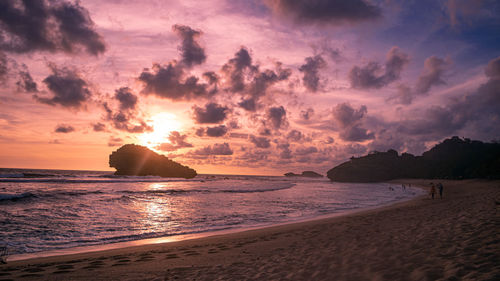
257	190
64	180
15	196
208	190
14	175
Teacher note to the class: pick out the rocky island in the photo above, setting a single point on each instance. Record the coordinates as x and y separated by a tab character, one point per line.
136	160
454	158
308	174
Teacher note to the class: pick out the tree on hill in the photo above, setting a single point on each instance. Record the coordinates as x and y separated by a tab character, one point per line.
454	158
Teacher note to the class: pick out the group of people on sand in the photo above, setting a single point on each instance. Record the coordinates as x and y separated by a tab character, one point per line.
440	187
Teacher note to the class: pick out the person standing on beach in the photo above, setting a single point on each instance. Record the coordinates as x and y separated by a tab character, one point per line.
433	190
440	187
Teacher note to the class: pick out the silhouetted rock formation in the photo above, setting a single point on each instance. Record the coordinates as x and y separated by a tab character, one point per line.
454	158
309	174
136	160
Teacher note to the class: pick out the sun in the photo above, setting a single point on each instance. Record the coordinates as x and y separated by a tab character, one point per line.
163	123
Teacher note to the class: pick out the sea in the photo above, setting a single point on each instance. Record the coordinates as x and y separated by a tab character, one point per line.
47	210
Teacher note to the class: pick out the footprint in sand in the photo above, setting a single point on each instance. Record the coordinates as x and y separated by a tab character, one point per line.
31	275
145	257
124	261
191	253
62	271
63	268
223	247
9	269
172	256
119	257
94	265
34	269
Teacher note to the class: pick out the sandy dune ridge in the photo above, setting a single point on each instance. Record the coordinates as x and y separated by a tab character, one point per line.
456	238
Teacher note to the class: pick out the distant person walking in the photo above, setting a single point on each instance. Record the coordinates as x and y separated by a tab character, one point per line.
440	188
433	190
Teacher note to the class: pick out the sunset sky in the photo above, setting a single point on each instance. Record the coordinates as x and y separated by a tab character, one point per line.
244	87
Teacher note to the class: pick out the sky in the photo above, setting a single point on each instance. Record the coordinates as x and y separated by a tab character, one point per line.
244	87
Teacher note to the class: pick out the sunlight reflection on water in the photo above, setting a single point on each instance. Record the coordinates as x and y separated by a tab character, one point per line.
47	216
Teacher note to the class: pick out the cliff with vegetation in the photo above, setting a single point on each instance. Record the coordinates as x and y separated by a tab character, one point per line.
136	160
454	158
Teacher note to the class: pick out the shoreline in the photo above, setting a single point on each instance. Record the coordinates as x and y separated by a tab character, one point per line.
418	239
191	236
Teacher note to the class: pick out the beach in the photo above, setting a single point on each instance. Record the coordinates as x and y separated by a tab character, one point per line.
455	238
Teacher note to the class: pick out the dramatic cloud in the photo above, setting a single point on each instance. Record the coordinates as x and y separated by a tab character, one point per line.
64	129
238	135
436	121
212	113
432	74
254	156
307	114
404	95
294	136
234	70
192	52
476	112
305	150
126	98
98	127
260	142
26	82
28	26
463	10
349	121
217	131
260	83
263	80
345	115
241	77
311	72
248	104
325	11
277	117
216	149
168	82
285	152
125	120
68	88
434	68
177	141
4	69
493	69
356	133
114	141
211	77
371	76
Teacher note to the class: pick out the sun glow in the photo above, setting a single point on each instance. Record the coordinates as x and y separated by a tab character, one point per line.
162	123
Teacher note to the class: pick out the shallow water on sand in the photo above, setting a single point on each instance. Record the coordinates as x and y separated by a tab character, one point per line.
44	210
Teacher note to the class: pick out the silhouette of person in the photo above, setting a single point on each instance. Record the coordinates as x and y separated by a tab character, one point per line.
433	190
440	187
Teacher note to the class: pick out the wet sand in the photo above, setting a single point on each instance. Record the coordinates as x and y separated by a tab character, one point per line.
456	238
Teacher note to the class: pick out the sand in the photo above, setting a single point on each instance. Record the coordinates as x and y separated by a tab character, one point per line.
456	238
